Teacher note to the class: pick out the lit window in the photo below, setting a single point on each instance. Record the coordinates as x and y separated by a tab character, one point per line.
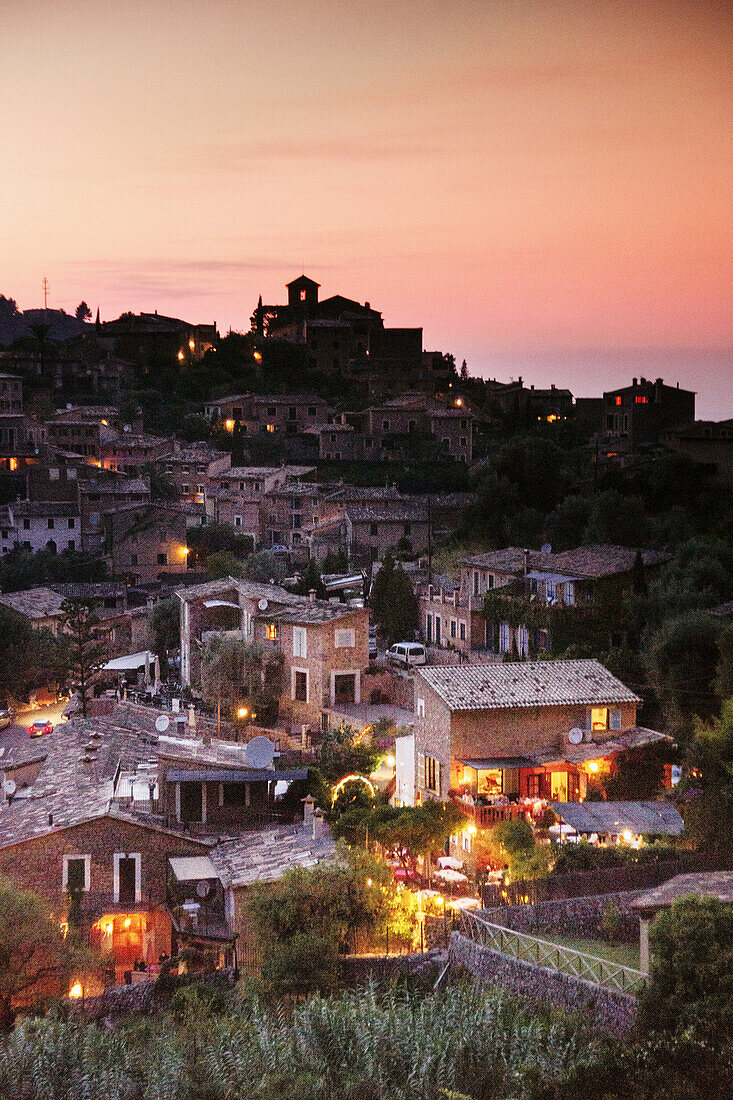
302	295
599	718
619	400
271	632
271	427
641	399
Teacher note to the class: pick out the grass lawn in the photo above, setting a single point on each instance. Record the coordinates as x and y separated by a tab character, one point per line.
626	954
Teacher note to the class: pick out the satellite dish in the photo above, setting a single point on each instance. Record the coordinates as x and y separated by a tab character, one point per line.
203	889
575	736
262	604
546	548
9	787
162	722
259	752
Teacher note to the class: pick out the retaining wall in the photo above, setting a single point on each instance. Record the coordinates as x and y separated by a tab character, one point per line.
613	1013
569	916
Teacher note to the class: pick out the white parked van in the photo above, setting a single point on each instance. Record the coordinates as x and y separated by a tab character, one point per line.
407	653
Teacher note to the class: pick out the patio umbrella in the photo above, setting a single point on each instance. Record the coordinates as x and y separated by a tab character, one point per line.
450	861
451	876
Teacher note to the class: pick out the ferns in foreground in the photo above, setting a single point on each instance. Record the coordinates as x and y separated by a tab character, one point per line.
365	1045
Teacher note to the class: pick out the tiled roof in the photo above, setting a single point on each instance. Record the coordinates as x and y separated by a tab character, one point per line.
716	884
318	611
642	818
583	561
266	856
602	561
43	508
90	590
364	493
526	684
252	589
115	485
34	603
387	513
509	560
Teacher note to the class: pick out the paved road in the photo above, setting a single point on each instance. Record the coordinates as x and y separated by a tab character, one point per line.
17	734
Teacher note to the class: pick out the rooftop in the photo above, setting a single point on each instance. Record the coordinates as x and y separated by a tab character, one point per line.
34	603
43	508
583	562
714	884
640	818
266	856
525	684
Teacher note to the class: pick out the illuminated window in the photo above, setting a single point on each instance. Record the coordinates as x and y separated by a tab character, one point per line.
302	295
641	399
271	632
619	400
271	427
432	774
599	718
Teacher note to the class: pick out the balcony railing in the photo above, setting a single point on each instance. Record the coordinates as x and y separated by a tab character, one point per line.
484	817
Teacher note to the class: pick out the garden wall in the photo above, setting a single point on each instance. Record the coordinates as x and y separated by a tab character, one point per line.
613	1013
578	917
359	969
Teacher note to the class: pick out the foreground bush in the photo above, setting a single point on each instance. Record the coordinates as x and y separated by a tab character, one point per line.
357	1047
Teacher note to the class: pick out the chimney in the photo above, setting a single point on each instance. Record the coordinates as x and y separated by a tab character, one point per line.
308	808
50	820
633	382
367	305
312	595
526	562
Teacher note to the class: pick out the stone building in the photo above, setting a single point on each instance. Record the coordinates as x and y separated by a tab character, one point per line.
495	738
323	646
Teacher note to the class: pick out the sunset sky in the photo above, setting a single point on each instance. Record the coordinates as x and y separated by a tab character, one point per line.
544	185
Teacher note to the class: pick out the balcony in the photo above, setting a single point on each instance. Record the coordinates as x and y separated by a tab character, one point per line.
485	817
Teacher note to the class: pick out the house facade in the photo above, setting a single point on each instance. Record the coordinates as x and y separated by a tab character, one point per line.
496	738
323	646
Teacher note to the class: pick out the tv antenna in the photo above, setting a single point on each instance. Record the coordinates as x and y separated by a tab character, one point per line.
46	289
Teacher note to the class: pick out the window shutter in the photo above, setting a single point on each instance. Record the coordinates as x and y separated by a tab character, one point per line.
440	779
421	770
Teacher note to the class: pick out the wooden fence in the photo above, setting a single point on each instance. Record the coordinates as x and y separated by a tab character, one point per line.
553	956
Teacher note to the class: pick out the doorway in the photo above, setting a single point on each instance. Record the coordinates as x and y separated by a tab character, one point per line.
127	873
191	802
344	688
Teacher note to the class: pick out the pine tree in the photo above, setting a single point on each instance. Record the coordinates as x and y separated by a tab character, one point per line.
87	652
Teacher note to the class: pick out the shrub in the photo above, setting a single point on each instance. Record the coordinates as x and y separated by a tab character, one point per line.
691	982
305	963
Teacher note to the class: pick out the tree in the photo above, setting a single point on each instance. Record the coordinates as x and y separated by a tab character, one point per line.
164	631
691	981
31	947
305	963
223	564
222	671
707	791
29	658
8	308
83	312
393	601
86	652
265	567
311	580
637	774
681	658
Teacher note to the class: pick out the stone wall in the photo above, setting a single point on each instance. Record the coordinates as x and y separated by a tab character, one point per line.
569	916
613	1013
394	689
359	969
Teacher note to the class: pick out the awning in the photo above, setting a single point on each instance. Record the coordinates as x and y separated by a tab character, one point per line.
192	868
131	661
488	762
614	818
223	775
553	578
